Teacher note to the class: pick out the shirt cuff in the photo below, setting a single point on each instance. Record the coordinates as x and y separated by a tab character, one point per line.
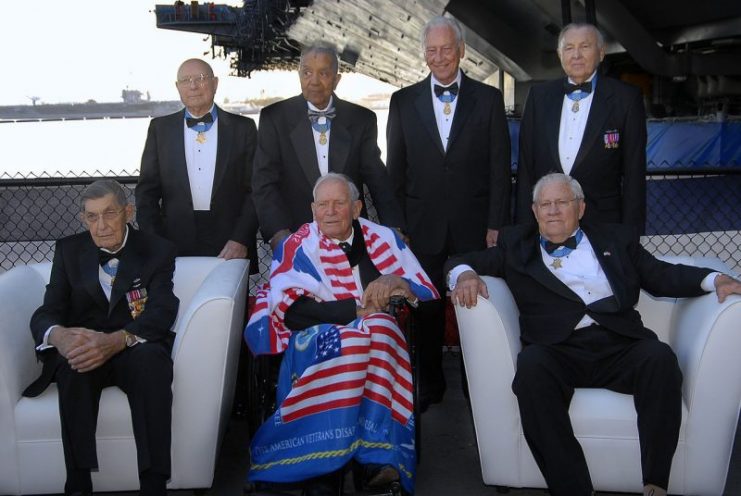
708	284
455	273
45	342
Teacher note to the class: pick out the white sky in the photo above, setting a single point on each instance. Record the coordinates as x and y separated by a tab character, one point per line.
78	50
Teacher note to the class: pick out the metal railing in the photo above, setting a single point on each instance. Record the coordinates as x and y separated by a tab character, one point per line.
689	213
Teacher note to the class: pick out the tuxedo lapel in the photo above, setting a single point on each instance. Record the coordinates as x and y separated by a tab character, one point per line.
554	106
340	140
226	136
177	166
595	122
302	139
423	103
90	266
535	267
464	107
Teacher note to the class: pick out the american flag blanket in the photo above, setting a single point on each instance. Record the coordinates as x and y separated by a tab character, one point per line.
344	391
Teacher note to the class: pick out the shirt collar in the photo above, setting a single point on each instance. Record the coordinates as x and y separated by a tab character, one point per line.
589	79
346	240
314	107
458	79
211	111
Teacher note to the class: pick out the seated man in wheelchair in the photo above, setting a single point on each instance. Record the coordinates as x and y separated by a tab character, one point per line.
345	383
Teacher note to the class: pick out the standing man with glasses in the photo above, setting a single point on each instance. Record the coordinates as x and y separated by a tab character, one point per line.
304	137
590	127
194	183
105	321
449	161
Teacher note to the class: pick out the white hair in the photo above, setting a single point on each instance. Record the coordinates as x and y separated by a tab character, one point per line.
558	177
337	177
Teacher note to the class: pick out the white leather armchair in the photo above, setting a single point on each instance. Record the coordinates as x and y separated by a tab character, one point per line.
213	294
705	335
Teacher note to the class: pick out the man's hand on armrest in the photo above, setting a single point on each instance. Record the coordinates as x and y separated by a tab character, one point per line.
467	288
378	292
726	286
233	249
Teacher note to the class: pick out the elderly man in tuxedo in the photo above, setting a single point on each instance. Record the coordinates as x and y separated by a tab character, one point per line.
307	136
576	287
590	127
194	183
449	161
105	321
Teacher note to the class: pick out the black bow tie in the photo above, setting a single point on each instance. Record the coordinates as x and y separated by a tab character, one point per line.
346	247
104	257
453	89
193	121
314	115
551	247
586	87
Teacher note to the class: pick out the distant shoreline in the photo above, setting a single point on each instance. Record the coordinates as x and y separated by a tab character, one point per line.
111	110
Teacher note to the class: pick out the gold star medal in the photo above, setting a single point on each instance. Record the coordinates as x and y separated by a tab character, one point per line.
447	109
556	264
323	138
201	138
575	106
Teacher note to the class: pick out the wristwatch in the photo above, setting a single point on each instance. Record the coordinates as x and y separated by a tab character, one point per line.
129	338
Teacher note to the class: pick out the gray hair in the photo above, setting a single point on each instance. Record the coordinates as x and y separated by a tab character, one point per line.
101	188
337	177
581	25
321	47
558	177
438	21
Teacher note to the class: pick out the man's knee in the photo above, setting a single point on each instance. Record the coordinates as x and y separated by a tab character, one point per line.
150	362
659	361
534	369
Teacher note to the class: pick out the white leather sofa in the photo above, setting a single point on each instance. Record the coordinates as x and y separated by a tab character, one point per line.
705	335
212	294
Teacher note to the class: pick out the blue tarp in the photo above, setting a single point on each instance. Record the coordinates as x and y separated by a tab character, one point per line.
678	145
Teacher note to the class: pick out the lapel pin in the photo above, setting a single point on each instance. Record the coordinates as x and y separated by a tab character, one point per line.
606	254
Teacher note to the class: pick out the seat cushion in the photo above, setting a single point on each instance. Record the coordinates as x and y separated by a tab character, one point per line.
601	413
37	419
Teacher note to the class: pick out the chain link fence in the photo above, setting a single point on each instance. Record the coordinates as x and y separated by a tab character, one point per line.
697	213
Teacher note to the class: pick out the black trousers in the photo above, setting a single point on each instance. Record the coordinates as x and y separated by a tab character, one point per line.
597	357
144	373
430	336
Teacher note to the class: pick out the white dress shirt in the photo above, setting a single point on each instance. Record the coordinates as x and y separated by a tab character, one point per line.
322	151
200	159
571	129
444	122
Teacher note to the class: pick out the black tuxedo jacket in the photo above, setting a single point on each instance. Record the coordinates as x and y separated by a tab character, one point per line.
163	199
613	177
549	310
286	166
465	189
74	297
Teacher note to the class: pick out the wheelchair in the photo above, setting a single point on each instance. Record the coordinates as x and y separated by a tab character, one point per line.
262	373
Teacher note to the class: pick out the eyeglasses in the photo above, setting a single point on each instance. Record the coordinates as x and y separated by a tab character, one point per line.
560	204
107	216
199	80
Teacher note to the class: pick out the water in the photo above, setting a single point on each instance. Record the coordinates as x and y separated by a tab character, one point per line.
75	148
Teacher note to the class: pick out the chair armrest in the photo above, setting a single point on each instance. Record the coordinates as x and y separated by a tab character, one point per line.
706	338
21	292
205	356
490	340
